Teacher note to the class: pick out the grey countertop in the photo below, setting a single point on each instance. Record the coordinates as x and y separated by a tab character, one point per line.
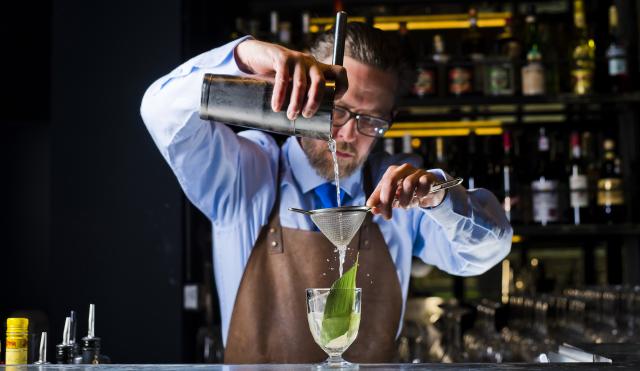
424	366
624	356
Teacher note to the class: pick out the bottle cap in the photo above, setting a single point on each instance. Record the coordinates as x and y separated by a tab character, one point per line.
17	324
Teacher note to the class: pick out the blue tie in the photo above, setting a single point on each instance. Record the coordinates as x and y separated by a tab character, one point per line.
326	196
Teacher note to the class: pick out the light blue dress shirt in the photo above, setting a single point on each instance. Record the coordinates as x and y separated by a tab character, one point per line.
231	178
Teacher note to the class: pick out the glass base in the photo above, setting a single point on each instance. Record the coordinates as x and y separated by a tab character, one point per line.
337	362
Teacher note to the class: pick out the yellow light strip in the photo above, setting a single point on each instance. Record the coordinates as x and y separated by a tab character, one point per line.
436	17
427	133
444	128
488	131
445	124
439	25
516	238
331	20
422	133
420	22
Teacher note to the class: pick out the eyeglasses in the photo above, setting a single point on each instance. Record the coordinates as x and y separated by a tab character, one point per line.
366	125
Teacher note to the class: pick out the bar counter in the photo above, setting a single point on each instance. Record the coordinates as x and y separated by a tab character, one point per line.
392	366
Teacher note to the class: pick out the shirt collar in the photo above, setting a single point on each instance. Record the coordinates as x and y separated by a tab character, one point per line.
306	176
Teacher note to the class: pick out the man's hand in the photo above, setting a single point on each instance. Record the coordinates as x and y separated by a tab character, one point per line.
284	66
399	184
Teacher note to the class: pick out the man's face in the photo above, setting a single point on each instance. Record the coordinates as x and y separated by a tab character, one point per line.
371	92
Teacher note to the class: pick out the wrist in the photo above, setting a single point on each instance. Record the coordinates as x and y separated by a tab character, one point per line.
241	58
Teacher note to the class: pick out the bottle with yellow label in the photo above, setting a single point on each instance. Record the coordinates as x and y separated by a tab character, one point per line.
610	187
583	53
17	341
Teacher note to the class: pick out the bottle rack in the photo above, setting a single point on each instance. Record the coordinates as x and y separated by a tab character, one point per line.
559	111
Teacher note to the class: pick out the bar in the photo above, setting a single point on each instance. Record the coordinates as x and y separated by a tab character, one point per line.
370	184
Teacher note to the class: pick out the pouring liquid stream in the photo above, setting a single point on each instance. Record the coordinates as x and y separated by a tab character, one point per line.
342	250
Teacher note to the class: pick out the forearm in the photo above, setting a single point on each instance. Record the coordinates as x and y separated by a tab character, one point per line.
209	160
170	105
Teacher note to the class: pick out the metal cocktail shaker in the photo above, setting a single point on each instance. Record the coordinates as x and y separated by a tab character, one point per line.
246	102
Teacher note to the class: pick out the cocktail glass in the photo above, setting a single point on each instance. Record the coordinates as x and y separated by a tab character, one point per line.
334	332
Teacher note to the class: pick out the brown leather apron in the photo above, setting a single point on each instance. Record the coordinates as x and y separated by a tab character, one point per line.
269	319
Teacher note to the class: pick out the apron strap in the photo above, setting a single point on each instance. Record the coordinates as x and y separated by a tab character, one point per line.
273	227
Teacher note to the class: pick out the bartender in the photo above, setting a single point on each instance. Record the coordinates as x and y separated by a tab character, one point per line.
266	256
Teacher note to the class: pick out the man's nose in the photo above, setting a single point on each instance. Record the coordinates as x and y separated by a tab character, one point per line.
346	132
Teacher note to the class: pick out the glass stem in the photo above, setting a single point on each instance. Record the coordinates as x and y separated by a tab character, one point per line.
335	358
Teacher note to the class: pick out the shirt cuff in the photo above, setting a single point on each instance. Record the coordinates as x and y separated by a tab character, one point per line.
452	208
223	56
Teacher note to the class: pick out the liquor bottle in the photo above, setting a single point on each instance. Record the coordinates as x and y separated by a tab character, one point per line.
91	345
509	200
389	146
460	74
425	83
544	186
473	170
610	187
406	143
474	51
440	58
239	30
66	351
616	56
500	77
274	22
583	53
578	183
306	38
533	82
440	161
284	34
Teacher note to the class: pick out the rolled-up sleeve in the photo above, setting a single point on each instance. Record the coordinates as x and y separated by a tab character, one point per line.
218	170
465	235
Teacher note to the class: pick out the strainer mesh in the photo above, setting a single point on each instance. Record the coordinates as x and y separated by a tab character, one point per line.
339	226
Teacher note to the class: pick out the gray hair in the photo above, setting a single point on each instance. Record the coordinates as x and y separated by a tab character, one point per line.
371	46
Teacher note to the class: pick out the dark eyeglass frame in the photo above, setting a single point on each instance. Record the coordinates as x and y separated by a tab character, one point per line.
358	117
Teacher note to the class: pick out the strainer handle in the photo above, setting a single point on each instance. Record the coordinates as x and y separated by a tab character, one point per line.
299	211
445	185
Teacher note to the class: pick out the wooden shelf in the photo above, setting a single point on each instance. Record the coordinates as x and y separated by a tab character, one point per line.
562	99
498	111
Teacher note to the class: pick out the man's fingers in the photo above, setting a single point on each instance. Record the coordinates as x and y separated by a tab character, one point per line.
409	185
280	84
298	90
339	75
389	186
315	93
424	184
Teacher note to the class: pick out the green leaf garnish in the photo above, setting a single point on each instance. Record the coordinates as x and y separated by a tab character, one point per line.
339	306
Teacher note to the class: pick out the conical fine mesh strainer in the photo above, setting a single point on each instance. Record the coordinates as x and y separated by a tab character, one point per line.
338	224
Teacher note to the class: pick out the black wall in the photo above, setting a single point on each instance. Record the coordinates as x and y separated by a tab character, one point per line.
91	213
116	230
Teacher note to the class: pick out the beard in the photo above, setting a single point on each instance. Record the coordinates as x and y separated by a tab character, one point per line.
319	156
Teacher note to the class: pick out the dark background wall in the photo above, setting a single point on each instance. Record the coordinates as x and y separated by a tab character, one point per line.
91	213
116	207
